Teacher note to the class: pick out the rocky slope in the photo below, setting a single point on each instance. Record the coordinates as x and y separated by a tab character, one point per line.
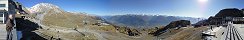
175	24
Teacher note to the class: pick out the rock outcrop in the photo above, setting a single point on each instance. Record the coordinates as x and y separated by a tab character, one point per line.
174	24
128	31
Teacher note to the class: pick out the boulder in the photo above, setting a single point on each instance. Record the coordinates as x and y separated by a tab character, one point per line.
128	31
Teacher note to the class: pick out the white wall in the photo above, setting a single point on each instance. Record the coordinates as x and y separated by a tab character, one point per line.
6	4
2	8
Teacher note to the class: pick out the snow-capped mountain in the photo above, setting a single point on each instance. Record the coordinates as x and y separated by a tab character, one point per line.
49	14
44	7
42	10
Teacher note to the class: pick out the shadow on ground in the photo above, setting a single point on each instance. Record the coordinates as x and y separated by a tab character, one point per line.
27	27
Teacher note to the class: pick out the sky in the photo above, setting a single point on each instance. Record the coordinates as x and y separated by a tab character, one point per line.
185	8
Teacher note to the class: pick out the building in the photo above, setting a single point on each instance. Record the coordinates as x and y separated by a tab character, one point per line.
238	20
6	7
224	20
3	10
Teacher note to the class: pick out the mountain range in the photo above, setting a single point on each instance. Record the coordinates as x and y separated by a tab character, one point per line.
57	23
127	20
145	21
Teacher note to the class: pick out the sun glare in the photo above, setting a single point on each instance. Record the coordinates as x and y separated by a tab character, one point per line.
202	1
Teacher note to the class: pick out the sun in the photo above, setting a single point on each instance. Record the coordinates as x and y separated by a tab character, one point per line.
202	1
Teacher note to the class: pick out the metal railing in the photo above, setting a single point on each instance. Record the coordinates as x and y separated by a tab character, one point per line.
232	33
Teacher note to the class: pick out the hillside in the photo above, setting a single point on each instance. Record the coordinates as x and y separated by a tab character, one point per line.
51	15
230	12
174	24
66	25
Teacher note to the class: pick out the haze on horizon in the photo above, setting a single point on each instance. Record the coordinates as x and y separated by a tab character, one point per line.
186	8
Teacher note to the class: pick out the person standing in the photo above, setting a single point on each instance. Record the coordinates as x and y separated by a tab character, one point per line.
9	27
211	27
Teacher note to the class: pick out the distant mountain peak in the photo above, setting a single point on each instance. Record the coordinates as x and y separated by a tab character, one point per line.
47	5
42	7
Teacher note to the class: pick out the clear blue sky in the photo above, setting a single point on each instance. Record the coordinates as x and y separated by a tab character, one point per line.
188	8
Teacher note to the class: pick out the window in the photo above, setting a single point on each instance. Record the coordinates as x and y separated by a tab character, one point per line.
1	14
2	5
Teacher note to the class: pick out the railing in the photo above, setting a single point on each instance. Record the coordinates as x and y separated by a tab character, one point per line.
232	33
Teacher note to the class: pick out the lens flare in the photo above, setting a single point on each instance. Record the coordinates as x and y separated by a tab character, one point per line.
202	1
